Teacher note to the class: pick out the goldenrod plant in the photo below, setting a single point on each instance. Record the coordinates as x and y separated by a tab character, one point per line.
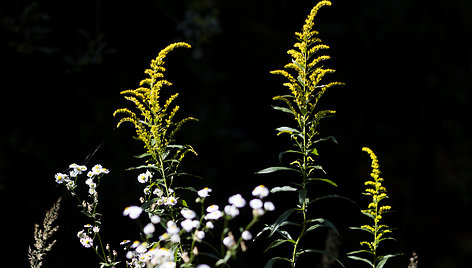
378	231
305	80
155	124
183	229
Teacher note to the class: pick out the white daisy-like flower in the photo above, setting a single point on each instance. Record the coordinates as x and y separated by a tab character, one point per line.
142	178
81	234
92	191
171	201
246	235
175	238
96	229
205	192
60	178
212	208
158	192
133	212
82	168
189	224
228	241
200	235
86	241
98	169
260	191
155	219
203	266
74	173
125	242
237	200
255	203
169	264
73	166
214	215
269	206
149	229
231	210
187	213
209	225
172	228
70	185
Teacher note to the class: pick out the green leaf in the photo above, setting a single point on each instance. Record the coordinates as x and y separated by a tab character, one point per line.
280	220
302	196
362	229
288	130
283	109
384	259
323	252
283	189
143	155
274	259
332	138
330	196
274	169
278	242
322	223
361	259
359	251
324	180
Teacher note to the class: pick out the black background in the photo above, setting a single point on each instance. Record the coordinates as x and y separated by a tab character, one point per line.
407	69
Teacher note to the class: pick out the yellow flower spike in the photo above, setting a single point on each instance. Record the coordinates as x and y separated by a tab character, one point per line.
375	211
154	125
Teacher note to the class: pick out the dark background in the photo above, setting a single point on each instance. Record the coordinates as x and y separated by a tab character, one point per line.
407	69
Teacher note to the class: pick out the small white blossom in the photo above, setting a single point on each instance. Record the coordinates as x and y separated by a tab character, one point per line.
246	235
81	234
96	229
209	225
237	200
170	201
269	206
212	208
189	224
232	211
228	241
60	178
260	191
200	235
172	228
214	215
133	212
86	241
155	219
149	229
255	204
205	192
203	266
142	178
187	213
98	169
158	192
175	238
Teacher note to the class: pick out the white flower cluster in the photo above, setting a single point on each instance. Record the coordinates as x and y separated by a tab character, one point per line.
158	257
146	254
70	180
86	235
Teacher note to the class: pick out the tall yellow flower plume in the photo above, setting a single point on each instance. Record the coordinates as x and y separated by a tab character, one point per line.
375	210
154	118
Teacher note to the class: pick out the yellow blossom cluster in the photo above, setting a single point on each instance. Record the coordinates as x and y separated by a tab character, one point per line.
154	124
375	210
